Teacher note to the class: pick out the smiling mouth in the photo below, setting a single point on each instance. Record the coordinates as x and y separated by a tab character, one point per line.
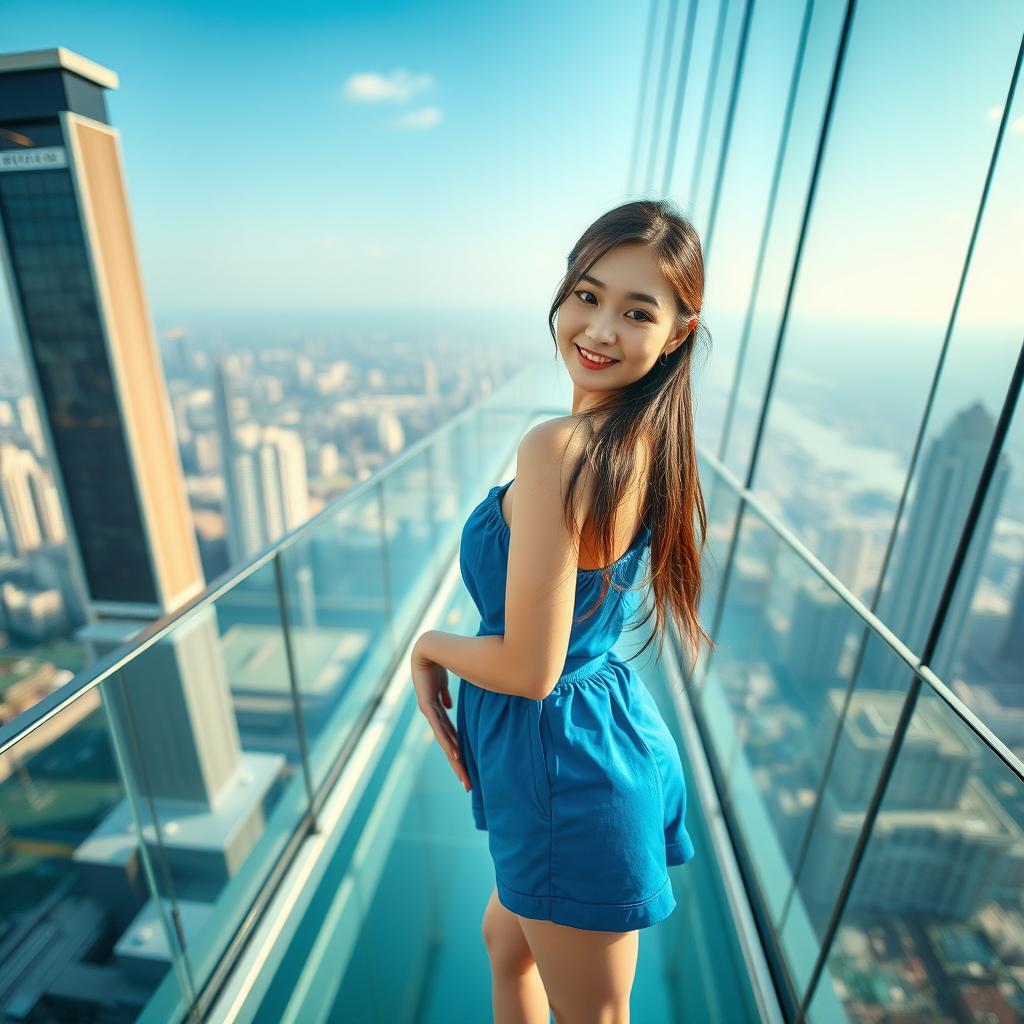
595	356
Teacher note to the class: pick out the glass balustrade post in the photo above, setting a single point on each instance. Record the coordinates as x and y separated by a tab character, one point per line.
293	686
120	733
437	556
389	605
131	736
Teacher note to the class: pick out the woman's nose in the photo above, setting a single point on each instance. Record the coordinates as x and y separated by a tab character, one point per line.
599	329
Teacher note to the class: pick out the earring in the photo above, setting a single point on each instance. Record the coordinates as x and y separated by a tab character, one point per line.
663	359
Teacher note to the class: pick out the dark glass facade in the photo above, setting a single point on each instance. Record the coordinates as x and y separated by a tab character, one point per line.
50	268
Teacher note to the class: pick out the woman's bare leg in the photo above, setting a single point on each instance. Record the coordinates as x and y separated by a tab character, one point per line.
588	975
517	993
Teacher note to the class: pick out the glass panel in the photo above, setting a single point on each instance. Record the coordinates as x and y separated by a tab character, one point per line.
705	29
980	651
731	252
409	541
81	937
650	76
498	431
849	742
883	255
338	612
468	460
668	50
452	487
757	347
771	699
714	115
933	929
721	503
214	745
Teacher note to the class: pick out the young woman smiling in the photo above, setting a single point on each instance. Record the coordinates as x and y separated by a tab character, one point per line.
571	768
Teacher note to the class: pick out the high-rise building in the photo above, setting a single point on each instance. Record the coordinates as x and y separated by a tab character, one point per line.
28	417
87	338
935	515
29	507
67	244
266	486
923	857
17	509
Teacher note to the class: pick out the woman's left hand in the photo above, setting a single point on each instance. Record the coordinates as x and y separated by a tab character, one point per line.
432	697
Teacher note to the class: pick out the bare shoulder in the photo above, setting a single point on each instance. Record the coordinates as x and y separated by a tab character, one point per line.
545	460
549	433
553	447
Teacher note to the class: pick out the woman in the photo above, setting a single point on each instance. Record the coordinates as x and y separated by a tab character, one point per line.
572	770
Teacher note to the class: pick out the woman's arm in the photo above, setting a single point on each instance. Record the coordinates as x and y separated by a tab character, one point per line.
483	660
540	592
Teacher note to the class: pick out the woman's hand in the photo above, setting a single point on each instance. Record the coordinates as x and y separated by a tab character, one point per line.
432	697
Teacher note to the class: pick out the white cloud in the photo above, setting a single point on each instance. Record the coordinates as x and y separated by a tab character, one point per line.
372	87
425	117
1017	125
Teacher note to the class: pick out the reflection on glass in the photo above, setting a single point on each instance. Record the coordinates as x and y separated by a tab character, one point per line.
774	692
81	937
732	248
934	927
339	625
889	227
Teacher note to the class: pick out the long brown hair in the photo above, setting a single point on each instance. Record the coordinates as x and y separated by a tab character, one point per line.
656	409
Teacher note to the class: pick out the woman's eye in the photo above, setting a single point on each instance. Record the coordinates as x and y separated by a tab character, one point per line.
583	292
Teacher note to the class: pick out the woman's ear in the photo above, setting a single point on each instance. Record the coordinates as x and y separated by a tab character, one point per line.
681	335
686	332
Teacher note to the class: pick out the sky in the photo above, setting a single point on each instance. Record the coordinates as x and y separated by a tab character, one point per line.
330	156
411	158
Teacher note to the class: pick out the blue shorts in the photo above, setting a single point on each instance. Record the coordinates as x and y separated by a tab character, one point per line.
582	796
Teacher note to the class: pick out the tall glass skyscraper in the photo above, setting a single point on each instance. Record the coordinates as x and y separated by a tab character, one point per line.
87	336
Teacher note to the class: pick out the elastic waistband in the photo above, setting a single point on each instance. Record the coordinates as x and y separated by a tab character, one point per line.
584	670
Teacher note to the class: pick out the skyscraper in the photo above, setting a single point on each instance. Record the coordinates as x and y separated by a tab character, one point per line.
266	486
68	248
87	338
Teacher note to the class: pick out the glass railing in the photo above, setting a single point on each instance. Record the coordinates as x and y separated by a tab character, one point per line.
876	819
149	807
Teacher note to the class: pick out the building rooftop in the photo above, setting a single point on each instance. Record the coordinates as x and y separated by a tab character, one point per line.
58	57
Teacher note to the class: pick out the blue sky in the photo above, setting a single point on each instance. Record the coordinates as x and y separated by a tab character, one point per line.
401	158
329	156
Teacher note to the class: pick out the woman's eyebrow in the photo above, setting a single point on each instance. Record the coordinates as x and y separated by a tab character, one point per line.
640	296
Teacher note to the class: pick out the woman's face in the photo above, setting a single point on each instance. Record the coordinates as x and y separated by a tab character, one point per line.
624	309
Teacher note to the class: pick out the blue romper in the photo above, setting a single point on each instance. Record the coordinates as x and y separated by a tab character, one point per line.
582	793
